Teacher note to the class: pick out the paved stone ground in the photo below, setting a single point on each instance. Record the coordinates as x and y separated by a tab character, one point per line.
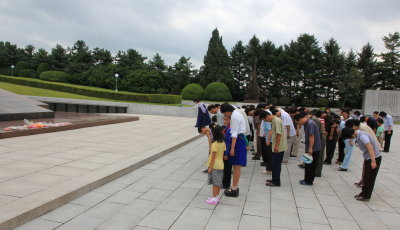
41	168
170	193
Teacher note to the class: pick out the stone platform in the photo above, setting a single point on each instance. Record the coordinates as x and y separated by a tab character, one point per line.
77	120
42	172
19	107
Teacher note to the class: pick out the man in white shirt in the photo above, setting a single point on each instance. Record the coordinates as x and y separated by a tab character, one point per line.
215	109
237	150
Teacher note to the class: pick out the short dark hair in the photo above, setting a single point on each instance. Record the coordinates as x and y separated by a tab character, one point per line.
382	114
347	133
196	100
248	109
217	105
357	113
352	122
319	113
226	107
261	106
264	114
258	112
363	118
210	107
380	120
214	118
376	112
299	116
302	109
218	135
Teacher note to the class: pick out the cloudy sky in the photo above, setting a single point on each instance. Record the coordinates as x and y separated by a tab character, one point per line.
176	28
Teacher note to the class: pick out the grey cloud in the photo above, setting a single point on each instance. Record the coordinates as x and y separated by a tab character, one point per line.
182	28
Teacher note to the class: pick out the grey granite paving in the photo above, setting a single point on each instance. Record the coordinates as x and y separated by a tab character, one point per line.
170	193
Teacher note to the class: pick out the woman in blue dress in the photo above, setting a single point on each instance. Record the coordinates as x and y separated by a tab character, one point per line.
238	153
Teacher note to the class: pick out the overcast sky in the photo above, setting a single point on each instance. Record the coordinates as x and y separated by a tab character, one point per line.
175	28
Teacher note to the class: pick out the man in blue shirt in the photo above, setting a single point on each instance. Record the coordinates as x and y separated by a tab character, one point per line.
388	127
312	143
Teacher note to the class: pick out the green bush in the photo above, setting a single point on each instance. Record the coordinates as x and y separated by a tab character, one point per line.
58	76
28	73
20	66
321	102
193	92
217	91
6	71
307	102
284	101
273	100
93	91
43	67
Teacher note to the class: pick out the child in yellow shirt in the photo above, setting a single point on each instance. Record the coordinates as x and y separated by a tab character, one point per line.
215	164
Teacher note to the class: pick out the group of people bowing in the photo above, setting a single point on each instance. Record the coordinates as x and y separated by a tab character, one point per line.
274	135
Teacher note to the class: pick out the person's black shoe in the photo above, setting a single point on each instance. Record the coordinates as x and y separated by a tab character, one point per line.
327	163
262	164
342	169
301	166
205	171
255	158
303	182
232	193
385	151
292	155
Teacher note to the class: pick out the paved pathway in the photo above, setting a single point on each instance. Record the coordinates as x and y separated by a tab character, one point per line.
170	193
47	170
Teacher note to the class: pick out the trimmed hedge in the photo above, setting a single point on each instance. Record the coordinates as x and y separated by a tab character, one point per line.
321	102
21	65
193	92
28	73
43	67
284	101
307	102
217	91
93	91
58	76
273	100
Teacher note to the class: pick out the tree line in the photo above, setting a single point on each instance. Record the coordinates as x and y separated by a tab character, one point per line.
302	72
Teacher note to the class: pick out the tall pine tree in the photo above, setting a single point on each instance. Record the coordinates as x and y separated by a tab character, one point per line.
238	68
216	63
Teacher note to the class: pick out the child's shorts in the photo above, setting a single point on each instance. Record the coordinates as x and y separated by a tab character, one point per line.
215	177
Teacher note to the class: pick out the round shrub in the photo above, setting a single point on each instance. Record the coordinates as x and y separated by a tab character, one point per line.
321	102
43	67
284	101
217	91
193	92
20	66
307	102
273	100
28	73
59	76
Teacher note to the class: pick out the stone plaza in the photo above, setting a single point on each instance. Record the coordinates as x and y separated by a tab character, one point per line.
170	192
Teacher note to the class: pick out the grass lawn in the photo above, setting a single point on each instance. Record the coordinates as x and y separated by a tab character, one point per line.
32	91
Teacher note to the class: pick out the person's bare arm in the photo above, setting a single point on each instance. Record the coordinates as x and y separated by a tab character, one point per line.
288	130
278	140
310	148
233	146
269	137
371	155
209	140
212	162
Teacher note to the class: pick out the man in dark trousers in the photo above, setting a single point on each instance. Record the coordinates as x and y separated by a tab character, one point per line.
312	143
388	127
